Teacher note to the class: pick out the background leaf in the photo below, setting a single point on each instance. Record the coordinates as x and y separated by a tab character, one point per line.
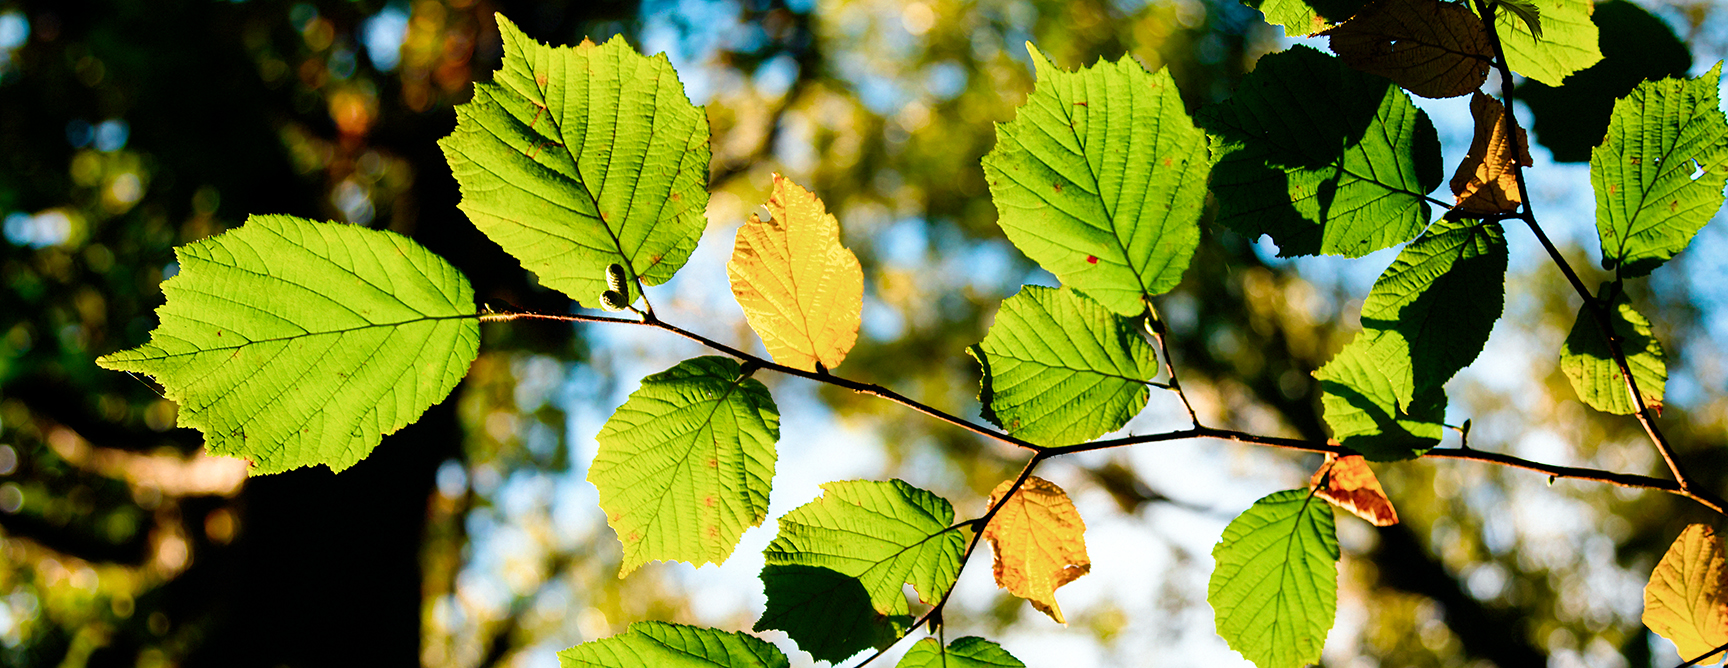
967	652
1100	178
1060	368
1275	588
1659	174
1431	48
1039	541
1486	182
1587	361
575	158
1350	484
673	646
684	466
1686	600
1568	42
1321	157
801	290
293	343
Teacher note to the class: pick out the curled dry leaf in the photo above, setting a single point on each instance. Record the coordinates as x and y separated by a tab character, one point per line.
1486	182
1039	541
1349	484
1686	600
801	290
1431	48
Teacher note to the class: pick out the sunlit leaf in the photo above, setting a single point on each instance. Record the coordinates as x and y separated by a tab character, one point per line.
1275	587
1589	363
1100	178
1486	182
575	158
1305	17
1659	175
684	466
1362	407
1431	48
293	343
1686	600
1039	541
664	645
1060	368
1568	42
882	535
1323	158
801	290
1350	484
967	652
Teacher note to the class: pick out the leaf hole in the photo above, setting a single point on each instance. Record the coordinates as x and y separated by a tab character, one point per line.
1697	170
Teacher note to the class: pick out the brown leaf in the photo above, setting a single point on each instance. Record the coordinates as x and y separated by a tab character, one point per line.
1486	182
1432	48
1039	541
1686	601
1349	484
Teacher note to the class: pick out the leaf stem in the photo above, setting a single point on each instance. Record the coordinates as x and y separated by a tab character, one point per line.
1155	327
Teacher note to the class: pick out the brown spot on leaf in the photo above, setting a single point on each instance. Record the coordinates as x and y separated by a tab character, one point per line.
634	537
708	501
1091	259
1058	186
713	463
677	197
1168	161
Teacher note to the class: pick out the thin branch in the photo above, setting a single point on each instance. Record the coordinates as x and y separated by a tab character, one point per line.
1707	655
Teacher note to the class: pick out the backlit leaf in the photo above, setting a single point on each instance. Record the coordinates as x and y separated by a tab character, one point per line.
1568	42
1039	541
293	343
1305	17
1588	362
828	613
1321	157
801	290
1350	484
1101	178
664	645
1659	175
1431	48
1060	368
1687	598
685	464
882	535
1274	590
1486	182
1362	407
967	652
574	158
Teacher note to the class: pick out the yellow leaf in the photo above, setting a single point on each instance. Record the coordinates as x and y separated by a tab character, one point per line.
1039	541
1432	48
1686	601
1486	182
801	290
1349	484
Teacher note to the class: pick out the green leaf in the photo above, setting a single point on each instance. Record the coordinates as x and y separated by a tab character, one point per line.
1659	175
1060	368
685	464
1636	45
1568	42
826	612
1305	17
1527	11
1275	588
1588	363
885	534
1323	158
1362	405
1436	304
294	343
575	158
664	645
967	652
1101	178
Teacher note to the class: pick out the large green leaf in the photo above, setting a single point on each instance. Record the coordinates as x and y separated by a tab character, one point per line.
1323	158
1060	368
1275	587
293	343
1436	304
1636	45
1101	178
1362	404
826	612
575	158
967	652
1659	175
664	645
1587	361
685	464
1568	42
